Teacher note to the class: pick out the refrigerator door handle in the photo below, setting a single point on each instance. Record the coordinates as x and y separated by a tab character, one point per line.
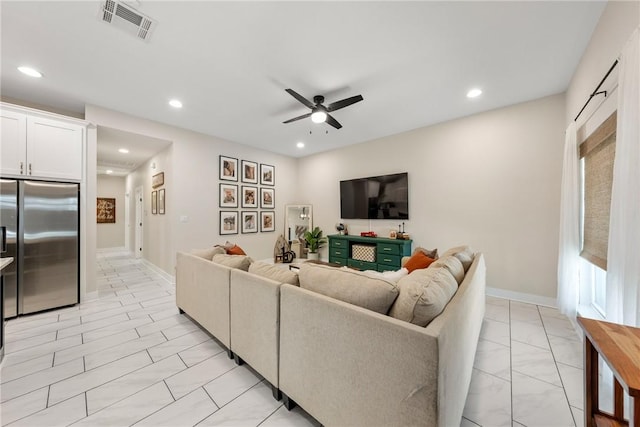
3	244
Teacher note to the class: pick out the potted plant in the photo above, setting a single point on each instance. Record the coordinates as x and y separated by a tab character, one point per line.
314	241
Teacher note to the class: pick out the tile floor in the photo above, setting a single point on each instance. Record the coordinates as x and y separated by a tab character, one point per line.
128	357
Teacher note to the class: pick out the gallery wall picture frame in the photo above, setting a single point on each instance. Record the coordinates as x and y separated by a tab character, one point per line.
106	210
249	197
228	195
249	221
228	222
161	201
154	202
267	221
249	172
267	174
267	198
228	168
157	180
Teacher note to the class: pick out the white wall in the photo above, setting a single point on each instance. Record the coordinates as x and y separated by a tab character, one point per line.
491	180
112	235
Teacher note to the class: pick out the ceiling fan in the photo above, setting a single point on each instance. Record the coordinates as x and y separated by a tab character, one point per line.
319	113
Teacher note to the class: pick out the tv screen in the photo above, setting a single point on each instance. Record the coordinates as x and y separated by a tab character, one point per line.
375	197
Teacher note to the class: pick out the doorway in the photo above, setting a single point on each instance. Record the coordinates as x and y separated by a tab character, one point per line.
139	223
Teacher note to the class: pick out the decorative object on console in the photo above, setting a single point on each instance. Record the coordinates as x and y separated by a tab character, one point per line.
228	222
249	222
157	180
341	229
314	241
368	234
228	195
249	172
267	198
267	174
228	168
267	221
281	246
161	201
249	197
154	202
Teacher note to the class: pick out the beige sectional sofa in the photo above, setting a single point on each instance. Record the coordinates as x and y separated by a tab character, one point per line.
345	364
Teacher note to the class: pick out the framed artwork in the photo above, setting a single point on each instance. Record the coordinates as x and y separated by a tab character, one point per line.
228	195
267	198
267	221
228	169
249	172
249	197
154	202
249	222
161	199
106	210
157	180
228	222
267	174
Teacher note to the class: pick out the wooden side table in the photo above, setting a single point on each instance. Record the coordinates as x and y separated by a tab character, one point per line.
619	347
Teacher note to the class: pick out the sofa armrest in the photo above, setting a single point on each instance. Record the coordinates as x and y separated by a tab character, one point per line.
346	365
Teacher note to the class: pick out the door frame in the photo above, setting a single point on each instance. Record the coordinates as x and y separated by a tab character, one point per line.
139	224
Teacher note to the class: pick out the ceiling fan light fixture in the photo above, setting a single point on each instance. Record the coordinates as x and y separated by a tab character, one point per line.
318	116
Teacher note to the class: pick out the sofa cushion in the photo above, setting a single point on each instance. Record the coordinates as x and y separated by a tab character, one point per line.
235	250
431	253
463	253
349	286
208	253
423	295
452	264
241	262
273	272
417	261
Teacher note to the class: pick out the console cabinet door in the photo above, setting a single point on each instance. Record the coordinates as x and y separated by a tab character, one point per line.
13	140
54	149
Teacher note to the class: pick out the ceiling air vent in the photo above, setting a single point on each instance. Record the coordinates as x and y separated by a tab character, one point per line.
127	18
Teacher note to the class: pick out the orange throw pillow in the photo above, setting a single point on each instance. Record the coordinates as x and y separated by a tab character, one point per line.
235	250
417	261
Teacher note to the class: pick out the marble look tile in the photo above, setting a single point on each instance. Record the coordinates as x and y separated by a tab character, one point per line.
529	333
24	405
86	327
179	330
497	332
525	313
517	424
22	344
109	313
29	383
187	411
167	312
80	383
534	362
573	382
33	352
550	312
489	400
42	329
176	345
119	351
199	375
127	326
294	418
131	409
155	309
63	356
494	359
22	369
578	416
467	423
96	306
156	301
127	385
567	351
19	324
162	324
497	301
497	312
248	409
560	328
227	387
538	403
200	352
62	414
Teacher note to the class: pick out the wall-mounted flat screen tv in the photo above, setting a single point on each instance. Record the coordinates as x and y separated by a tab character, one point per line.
375	197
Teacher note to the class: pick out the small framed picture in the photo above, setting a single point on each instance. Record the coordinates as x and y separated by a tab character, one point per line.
249	222
267	221
249	172
267	174
228	222
157	180
228	195
249	197
228	169
267	198
154	202
161	201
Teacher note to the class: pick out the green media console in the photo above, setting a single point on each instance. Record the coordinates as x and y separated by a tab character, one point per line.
368	253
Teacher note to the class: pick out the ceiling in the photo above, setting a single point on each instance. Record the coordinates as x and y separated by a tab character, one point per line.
230	62
140	148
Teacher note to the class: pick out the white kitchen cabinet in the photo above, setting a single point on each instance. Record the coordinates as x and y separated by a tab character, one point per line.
37	146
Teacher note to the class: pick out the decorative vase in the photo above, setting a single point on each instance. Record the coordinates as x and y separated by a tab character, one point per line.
312	256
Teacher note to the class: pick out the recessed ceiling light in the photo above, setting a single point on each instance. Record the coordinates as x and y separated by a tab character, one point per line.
123	150
473	93
109	171
30	71
175	103
300	145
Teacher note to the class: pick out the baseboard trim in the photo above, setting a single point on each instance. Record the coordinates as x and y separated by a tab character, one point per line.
168	277
115	249
522	297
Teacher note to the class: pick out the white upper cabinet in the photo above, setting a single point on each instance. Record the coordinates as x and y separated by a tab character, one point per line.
35	146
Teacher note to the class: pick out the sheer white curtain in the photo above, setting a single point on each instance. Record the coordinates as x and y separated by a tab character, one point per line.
569	247
623	258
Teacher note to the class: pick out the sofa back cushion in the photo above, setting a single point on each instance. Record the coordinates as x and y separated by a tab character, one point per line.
241	262
423	295
208	253
453	264
273	272
349	286
463	253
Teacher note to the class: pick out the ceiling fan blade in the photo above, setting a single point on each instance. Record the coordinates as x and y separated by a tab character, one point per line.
344	103
300	98
333	122
304	116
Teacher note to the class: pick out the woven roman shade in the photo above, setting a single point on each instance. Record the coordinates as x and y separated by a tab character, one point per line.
598	151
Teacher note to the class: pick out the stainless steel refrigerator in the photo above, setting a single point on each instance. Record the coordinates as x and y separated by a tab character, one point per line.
42	229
